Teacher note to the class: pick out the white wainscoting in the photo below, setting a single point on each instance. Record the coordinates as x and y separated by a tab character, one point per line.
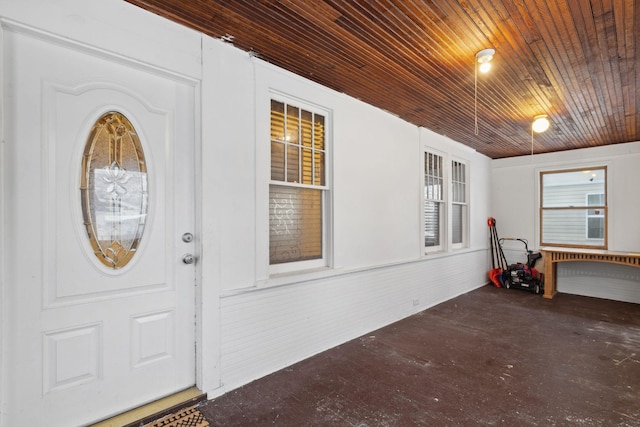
600	280
268	329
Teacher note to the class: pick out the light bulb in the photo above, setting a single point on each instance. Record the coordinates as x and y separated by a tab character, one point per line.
485	67
540	124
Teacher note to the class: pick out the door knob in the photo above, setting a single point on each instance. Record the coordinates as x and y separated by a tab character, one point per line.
188	259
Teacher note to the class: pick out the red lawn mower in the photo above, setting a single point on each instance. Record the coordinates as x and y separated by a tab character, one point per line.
519	275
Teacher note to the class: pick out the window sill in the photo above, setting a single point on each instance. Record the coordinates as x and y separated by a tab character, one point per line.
284	279
445	253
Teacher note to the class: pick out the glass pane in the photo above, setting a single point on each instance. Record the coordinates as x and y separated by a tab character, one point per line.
433	177
458	182
431	223
318	168
293	163
318	132
457	217
277	121
277	161
563	189
292	124
295	224
306	128
427	185
114	190
595	199
307	166
570	227
595	228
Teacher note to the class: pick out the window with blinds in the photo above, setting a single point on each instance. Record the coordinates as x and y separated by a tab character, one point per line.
445	209
433	208
297	190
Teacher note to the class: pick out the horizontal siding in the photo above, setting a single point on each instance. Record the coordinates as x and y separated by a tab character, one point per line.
269	329
600	280
568	226
570	195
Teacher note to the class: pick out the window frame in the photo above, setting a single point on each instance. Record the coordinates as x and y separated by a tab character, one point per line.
326	188
447	203
585	208
464	243
442	202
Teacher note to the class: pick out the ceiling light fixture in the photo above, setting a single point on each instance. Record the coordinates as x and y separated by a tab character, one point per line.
484	58
540	123
482	63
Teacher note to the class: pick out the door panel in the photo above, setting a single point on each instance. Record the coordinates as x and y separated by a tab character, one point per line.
85	340
76	110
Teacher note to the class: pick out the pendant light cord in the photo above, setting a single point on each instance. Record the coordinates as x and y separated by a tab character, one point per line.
532	140
475	97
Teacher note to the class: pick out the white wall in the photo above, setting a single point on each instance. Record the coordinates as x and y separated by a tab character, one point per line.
251	324
115	26
378	274
515	204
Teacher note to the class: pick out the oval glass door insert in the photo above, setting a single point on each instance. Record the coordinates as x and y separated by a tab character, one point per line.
114	190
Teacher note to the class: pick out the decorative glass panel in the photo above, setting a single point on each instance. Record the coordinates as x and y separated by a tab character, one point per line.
114	190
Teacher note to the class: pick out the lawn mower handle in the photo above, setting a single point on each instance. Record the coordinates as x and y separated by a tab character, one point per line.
526	243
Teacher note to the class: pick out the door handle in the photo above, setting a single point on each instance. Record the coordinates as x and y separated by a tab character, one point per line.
188	259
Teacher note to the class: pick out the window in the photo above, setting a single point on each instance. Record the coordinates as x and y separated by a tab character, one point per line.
458	203
298	190
433	201
445	197
573	208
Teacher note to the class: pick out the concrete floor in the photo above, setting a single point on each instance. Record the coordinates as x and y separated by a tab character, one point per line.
489	357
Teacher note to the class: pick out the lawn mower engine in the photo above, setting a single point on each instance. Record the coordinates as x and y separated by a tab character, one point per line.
524	276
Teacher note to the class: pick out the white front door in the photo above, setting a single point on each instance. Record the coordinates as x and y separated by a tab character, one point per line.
99	198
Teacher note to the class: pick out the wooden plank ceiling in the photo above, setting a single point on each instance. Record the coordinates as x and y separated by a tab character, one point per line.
574	60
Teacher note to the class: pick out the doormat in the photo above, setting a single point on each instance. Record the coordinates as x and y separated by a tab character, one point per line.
190	417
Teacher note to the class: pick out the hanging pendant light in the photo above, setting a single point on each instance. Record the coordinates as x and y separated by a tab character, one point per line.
482	64
540	124
484	58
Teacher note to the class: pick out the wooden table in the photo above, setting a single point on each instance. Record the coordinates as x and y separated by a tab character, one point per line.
552	256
